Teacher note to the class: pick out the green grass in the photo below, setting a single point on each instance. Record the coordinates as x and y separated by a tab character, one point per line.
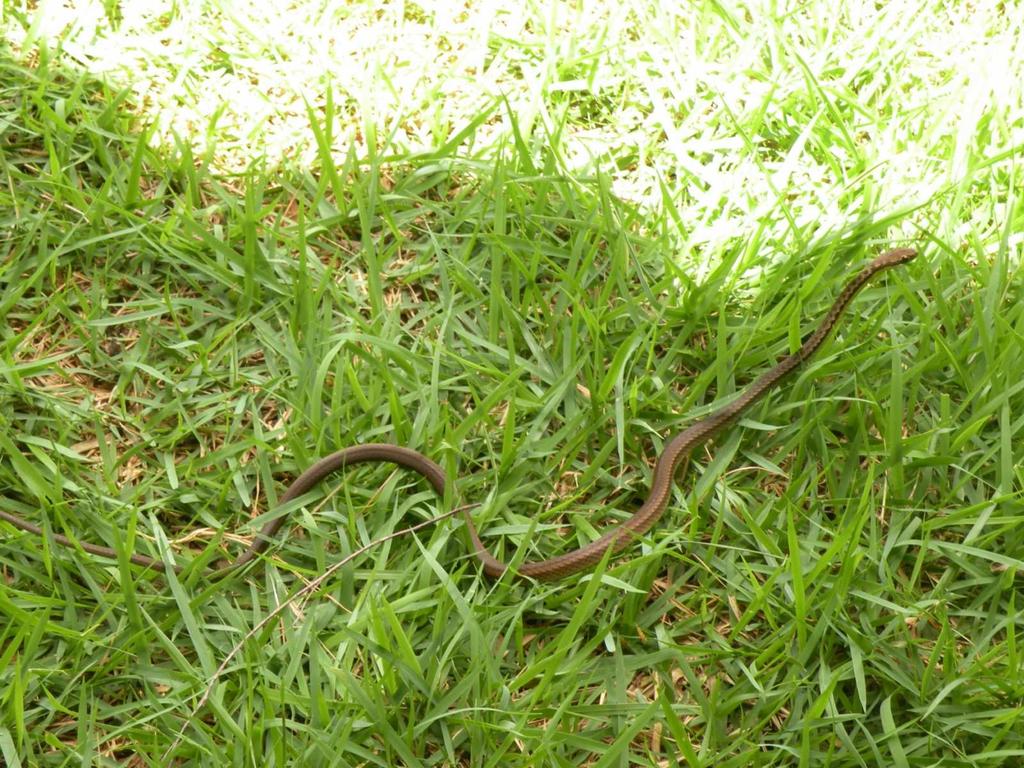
536	291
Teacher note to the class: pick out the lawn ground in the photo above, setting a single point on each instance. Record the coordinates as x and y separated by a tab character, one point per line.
533	242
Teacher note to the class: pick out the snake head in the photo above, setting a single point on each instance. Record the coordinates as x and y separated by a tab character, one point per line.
894	257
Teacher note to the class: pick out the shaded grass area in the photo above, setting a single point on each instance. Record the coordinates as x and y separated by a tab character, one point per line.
836	583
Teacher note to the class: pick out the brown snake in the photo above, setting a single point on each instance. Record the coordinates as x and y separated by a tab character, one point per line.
676	450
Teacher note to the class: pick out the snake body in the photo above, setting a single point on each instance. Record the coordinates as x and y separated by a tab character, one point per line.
676	450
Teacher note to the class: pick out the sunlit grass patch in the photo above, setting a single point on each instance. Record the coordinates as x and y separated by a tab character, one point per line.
720	116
